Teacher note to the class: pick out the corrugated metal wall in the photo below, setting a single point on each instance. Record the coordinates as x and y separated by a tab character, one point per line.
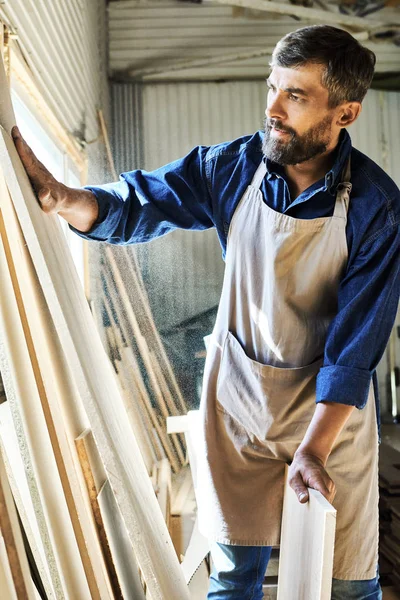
184	270
156	34
65	46
127	126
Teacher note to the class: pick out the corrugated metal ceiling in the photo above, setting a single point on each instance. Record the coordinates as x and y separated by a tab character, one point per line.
154	35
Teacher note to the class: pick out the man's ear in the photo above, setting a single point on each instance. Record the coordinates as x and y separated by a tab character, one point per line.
348	113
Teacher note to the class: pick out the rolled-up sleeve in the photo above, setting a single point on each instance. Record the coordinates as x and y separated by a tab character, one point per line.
144	205
368	300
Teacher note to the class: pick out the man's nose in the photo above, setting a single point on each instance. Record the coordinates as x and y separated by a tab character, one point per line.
275	108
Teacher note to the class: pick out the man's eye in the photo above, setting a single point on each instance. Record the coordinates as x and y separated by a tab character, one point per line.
293	97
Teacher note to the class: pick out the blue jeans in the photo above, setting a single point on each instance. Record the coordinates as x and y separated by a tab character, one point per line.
238	574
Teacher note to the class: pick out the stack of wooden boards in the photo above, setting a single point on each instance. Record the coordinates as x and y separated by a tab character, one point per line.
137	353
389	512
71	459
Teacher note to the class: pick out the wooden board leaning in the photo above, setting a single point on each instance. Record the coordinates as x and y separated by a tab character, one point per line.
94	379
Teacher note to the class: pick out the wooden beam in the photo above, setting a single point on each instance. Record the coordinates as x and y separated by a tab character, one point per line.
14	546
183	65
162	475
6	581
129	314
83	444
137	417
113	306
157	343
308	14
15	462
45	486
307	544
93	375
121	547
85	540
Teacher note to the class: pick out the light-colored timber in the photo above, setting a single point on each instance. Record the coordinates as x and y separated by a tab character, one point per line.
83	443
13	543
306	549
93	375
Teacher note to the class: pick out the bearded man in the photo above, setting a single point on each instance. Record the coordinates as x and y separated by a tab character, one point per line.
309	228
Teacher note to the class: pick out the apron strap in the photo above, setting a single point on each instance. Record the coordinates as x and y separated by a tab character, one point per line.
259	175
343	193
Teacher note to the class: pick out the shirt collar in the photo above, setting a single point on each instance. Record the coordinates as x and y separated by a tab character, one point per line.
333	177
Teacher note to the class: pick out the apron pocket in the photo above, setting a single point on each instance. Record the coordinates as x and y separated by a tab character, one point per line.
274	404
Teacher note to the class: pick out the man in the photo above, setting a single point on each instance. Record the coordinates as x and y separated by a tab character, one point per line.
310	232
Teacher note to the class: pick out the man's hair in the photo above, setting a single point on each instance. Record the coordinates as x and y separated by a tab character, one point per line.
349	66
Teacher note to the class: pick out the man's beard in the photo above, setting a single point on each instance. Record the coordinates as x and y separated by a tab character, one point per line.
296	148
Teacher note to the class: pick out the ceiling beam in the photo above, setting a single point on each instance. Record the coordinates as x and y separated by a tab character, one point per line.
193	64
310	14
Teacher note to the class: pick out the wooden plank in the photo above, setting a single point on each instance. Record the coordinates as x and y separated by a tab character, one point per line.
162	473
178	424
93	376
34	442
50	396
6	581
307	545
142	345
15	464
196	552
134	375
13	542
138	397
199	546
136	417
163	385
199	583
158	346
121	547
117	308
83	448
61	405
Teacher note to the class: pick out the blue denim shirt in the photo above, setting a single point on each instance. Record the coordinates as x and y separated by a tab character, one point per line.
202	190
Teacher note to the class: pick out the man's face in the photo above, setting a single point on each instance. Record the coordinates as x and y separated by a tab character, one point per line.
299	125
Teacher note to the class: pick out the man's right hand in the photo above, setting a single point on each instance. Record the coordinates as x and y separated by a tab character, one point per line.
77	206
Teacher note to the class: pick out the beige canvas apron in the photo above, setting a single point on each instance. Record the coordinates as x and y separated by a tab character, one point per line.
278	299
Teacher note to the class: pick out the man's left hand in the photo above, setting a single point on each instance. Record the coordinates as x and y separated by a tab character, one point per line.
308	471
